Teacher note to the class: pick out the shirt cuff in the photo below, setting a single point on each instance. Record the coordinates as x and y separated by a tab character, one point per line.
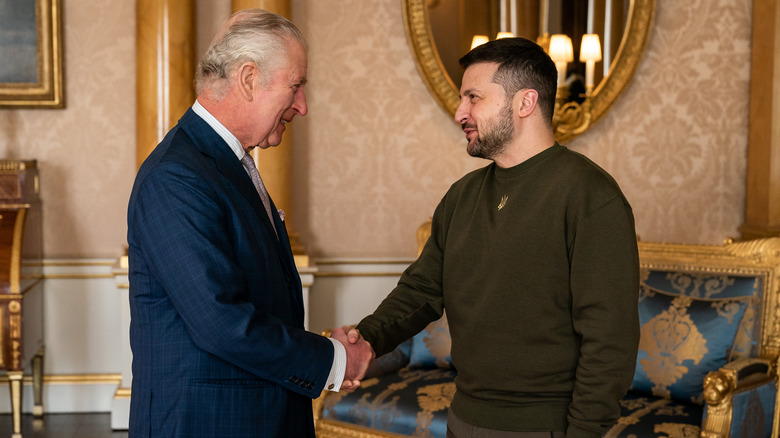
339	367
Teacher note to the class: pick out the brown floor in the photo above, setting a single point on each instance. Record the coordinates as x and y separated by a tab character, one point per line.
63	426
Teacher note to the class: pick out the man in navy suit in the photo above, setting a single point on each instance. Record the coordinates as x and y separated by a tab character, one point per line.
219	347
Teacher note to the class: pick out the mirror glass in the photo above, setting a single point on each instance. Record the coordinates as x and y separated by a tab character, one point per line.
441	31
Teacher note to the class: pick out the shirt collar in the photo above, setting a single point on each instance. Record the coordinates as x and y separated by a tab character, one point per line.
223	132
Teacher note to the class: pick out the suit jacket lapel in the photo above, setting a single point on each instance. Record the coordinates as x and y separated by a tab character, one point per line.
286	253
210	143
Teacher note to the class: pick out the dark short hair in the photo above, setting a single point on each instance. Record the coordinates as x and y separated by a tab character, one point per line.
521	64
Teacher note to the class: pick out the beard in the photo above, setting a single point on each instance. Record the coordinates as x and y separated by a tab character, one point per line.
496	136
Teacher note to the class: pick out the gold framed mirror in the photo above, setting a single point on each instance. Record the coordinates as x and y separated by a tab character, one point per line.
638	21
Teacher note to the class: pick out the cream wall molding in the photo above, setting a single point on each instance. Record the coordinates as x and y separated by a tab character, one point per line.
358	274
360	261
75	276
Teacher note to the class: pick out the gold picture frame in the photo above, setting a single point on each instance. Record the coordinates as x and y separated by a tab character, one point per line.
32	71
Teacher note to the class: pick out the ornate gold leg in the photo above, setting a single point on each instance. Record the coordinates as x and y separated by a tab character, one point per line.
15	381
37	366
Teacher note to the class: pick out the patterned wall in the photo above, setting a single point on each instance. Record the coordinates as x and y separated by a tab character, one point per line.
86	152
375	153
677	139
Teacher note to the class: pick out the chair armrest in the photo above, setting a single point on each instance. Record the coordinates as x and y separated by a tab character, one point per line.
721	386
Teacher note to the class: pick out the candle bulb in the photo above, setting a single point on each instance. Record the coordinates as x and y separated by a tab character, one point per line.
590	67
590	52
478	40
561	53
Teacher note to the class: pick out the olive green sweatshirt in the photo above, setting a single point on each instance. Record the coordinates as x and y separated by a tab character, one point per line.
537	268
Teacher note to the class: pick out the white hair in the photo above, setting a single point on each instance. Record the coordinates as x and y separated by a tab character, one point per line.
250	35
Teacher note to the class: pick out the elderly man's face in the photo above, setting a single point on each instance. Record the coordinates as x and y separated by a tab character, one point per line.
282	99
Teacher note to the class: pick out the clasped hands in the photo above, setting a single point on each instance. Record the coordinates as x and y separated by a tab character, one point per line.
359	356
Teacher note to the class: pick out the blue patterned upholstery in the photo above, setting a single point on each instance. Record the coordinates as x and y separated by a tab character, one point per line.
431	347
642	416
412	402
683	339
755	408
691	323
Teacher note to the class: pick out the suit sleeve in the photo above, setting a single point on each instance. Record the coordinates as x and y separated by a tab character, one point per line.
182	226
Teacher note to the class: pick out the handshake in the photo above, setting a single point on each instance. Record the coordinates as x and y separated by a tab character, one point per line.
359	356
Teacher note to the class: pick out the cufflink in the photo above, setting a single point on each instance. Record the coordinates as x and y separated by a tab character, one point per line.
331	386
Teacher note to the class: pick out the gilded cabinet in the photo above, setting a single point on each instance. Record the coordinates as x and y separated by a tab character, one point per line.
21	282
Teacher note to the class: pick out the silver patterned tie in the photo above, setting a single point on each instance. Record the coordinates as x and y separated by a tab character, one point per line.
249	164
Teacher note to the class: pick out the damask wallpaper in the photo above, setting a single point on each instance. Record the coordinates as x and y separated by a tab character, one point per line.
86	152
376	153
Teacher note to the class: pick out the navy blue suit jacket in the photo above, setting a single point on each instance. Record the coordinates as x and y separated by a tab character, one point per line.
216	330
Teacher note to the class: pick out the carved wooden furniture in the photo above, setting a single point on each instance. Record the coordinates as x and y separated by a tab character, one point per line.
707	366
21	282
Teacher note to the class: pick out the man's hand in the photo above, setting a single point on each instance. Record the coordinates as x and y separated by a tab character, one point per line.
359	356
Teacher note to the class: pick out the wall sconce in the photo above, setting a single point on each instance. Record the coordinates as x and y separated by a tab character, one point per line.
562	53
573	118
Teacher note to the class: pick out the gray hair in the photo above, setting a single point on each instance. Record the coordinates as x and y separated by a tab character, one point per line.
250	35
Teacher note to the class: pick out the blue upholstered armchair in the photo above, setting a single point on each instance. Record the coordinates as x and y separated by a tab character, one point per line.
708	342
710	338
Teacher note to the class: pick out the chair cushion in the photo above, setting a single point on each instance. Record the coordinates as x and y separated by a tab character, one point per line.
411	402
682	339
646	417
717	286
431	347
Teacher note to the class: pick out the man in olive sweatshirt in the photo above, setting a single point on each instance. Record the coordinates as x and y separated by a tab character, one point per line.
534	258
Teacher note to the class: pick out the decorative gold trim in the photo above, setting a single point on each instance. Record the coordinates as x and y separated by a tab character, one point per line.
123	393
634	416
16	165
418	32
48	91
16	250
73	379
426	57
